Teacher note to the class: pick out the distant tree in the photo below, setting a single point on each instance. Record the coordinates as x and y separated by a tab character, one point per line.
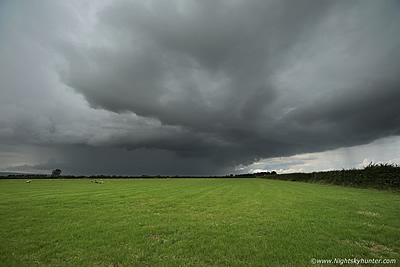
56	173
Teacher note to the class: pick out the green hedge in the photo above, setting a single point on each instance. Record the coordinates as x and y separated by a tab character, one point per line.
380	176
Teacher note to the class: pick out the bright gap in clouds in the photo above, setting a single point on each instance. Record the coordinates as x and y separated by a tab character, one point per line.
386	150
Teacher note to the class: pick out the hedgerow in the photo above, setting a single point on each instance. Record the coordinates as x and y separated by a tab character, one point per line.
379	176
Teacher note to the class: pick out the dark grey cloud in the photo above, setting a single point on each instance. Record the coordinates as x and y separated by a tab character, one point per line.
202	85
364	114
89	160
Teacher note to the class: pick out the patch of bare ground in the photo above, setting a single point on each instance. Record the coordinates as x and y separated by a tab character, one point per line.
367	213
378	250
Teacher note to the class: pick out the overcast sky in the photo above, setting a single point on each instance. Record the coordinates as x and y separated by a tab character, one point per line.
198	87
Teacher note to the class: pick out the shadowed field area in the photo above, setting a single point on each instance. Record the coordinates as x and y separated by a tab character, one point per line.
171	222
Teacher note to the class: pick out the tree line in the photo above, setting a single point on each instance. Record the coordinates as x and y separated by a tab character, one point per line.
379	176
57	174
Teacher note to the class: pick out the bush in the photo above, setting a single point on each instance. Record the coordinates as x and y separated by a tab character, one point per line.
380	176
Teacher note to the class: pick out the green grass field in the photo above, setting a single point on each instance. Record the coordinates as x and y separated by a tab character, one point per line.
201	222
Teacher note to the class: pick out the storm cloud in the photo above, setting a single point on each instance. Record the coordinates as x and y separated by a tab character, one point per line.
203	86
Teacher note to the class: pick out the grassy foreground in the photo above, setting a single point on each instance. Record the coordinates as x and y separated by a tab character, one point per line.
170	222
